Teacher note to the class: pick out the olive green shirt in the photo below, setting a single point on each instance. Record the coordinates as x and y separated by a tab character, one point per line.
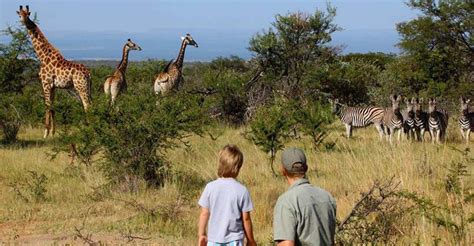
305	214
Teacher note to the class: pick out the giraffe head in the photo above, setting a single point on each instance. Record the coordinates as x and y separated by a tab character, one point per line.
431	105
396	102
24	14
410	107
464	105
188	40
132	46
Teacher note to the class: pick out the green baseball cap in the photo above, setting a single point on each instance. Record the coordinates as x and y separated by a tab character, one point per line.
294	160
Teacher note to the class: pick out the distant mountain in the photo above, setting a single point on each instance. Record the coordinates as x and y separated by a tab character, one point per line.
164	44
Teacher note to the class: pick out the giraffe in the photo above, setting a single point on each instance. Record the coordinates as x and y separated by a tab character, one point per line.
171	77
116	83
55	71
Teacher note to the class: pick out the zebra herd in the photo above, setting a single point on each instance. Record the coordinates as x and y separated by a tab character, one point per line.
412	121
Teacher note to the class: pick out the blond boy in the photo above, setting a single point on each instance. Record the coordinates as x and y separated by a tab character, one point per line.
226	205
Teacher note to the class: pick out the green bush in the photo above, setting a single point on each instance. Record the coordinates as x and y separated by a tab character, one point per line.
31	188
133	136
269	130
312	119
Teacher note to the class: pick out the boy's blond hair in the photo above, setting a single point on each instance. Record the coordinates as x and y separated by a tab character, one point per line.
230	161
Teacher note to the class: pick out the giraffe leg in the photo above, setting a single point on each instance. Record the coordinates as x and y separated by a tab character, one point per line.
114	91
48	91
107	86
84	92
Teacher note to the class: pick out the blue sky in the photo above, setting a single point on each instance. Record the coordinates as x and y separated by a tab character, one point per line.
96	29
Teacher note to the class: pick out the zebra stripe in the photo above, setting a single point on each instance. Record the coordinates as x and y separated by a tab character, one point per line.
438	119
361	117
358	117
393	120
466	121
408	121
437	122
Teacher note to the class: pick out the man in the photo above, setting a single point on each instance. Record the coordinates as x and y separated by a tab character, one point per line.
304	215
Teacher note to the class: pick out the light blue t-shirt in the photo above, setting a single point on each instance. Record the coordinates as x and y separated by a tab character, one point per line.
226	200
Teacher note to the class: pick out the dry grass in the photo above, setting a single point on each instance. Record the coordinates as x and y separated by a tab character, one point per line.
169	215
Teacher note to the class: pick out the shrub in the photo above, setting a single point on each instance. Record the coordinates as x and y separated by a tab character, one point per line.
132	137
31	188
453	215
269	130
313	119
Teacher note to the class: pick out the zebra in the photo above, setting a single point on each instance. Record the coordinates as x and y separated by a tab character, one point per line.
437	121
358	117
393	119
466	119
409	119
421	119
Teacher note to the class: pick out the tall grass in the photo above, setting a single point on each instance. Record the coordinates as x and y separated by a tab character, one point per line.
79	197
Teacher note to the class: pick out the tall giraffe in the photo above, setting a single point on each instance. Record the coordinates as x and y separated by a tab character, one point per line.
116	83
171	77
55	71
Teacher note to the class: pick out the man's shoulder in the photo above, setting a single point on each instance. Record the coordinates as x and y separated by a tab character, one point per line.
286	197
309	191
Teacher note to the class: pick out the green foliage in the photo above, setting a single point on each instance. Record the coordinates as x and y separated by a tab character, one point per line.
452	215
350	81
222	84
375	216
439	45
269	130
133	136
288	51
31	188
313	120
10	122
379	59
17	68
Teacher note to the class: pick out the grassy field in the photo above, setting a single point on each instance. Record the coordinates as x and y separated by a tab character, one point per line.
77	201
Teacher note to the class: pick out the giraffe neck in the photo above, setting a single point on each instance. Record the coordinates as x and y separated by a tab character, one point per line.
180	58
124	62
43	49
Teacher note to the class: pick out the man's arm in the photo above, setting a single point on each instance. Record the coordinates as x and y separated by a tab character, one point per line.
203	219
248	228
286	243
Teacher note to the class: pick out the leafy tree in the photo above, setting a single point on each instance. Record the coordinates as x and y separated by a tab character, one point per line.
288	51
17	66
133	137
379	59
350	81
269	130
313	120
440	45
17	76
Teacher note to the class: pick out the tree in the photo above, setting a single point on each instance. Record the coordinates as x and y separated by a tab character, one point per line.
296	42
132	138
17	66
269	131
440	43
18	69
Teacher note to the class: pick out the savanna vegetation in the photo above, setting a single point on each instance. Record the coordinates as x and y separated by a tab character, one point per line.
133	172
